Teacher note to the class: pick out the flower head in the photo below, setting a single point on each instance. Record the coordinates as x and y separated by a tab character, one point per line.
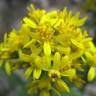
49	46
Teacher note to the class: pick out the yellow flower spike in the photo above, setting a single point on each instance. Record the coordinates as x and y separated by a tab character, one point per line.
56	61
47	48
29	22
8	68
91	74
44	93
28	72
53	42
37	73
62	86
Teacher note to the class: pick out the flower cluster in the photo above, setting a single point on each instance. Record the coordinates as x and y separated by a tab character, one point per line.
50	47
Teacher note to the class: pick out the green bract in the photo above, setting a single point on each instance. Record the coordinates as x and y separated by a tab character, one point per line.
49	46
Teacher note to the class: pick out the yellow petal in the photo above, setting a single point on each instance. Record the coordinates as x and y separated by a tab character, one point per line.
47	48
71	73
52	14
29	22
77	44
58	23
77	54
62	86
24	57
8	68
76	21
88	55
91	74
38	62
65	60
46	62
63	50
83	59
44	93
56	61
28	72
92	47
37	73
4	49
29	44
48	18
82	21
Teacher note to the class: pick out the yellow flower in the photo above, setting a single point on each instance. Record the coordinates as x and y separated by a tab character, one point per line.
45	33
91	74
49	46
37	73
54	74
29	22
25	57
35	14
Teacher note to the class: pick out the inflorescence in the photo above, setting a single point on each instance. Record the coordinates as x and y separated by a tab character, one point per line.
50	47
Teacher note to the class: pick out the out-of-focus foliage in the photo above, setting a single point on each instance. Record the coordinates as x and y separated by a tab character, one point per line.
11	85
89	7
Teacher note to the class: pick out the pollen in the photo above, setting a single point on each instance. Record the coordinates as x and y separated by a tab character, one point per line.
45	32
